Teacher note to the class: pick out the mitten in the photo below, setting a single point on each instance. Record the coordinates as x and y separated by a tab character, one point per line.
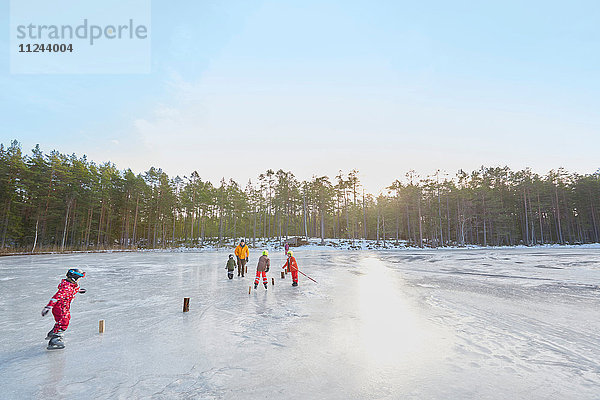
46	310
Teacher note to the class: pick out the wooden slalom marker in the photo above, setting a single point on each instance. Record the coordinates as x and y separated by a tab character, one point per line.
282	275
249	289
186	304
273	281
101	326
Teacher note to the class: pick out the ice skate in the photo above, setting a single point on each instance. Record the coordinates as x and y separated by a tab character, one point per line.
56	342
51	334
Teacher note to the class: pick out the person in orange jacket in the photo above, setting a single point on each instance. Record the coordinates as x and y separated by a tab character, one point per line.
292	266
242	253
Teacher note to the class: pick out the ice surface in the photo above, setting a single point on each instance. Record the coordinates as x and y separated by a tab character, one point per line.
441	324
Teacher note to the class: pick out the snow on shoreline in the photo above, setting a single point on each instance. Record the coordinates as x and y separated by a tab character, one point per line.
315	243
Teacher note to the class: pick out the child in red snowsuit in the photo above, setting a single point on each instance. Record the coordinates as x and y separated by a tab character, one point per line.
60	304
292	266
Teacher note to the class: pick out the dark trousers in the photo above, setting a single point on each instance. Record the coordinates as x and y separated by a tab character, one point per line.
241	263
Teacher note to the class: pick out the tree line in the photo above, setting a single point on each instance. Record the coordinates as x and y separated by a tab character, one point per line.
58	202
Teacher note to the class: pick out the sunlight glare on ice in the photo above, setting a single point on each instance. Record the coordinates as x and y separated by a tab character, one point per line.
390	329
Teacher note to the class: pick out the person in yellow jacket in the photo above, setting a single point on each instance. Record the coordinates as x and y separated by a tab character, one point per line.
242	254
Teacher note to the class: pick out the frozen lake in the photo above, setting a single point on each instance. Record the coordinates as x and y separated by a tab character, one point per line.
445	324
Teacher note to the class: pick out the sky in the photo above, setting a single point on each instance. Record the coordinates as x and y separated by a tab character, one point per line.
314	87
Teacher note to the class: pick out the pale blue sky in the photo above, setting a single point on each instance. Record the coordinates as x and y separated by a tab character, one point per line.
316	86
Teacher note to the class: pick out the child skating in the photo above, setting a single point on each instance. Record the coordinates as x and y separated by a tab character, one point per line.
262	268
60	304
230	266
292	266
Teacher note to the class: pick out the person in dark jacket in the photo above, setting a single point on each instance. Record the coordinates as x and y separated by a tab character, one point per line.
262	268
230	266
